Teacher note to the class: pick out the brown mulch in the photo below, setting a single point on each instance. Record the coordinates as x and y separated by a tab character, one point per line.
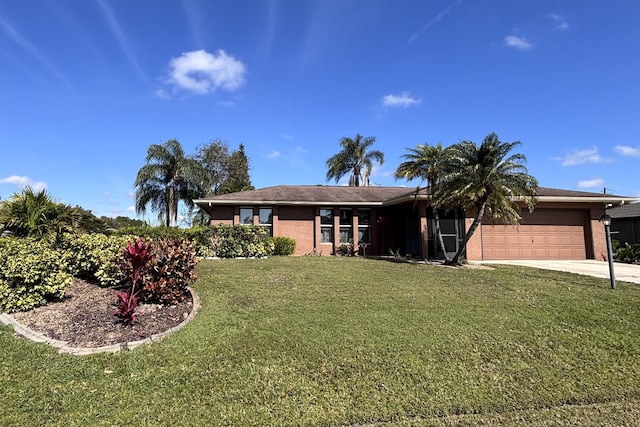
84	318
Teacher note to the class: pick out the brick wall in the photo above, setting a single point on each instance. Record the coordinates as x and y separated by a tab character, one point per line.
298	222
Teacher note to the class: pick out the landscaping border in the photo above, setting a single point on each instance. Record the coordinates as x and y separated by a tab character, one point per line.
63	346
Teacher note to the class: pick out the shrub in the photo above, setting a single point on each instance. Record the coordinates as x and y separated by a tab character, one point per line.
31	273
95	257
228	241
346	249
627	253
283	245
221	240
135	261
168	272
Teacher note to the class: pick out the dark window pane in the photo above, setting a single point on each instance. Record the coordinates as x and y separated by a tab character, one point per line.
364	217
265	216
326	216
345	217
246	216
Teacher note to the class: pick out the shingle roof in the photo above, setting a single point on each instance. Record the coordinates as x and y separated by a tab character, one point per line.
631	210
294	194
327	194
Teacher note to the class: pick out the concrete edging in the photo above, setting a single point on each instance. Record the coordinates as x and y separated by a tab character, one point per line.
63	346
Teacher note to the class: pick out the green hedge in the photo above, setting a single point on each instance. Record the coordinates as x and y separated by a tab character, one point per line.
95	257
240	241
31	273
223	241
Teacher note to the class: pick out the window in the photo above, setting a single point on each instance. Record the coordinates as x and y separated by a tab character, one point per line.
326	225
246	216
346	226
265	217
364	226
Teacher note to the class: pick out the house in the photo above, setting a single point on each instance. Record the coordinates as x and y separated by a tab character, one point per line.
625	223
564	225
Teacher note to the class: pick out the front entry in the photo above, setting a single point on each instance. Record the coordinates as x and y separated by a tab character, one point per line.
452	230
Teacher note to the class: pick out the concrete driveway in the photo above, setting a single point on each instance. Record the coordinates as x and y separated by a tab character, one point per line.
589	267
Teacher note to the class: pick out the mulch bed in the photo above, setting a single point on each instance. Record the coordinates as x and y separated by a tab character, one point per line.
84	318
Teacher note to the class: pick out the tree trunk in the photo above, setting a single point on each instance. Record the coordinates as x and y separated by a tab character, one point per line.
474	225
436	219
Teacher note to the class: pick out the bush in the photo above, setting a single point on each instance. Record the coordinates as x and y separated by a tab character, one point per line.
224	241
283	245
168	272
627	253
95	257
228	241
346	249
31	273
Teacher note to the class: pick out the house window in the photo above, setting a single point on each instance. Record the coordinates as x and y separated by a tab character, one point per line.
246	216
326	225
265	216
364	226
346	226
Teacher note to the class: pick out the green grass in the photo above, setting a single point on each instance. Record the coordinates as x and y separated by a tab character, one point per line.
351	341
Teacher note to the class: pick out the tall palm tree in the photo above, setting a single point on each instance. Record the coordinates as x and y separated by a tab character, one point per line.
488	180
427	162
167	178
354	160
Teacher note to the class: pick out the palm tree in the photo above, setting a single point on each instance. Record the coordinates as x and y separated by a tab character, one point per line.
168	177
427	162
36	214
355	160
488	180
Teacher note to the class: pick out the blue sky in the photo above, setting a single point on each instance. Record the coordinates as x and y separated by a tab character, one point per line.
88	85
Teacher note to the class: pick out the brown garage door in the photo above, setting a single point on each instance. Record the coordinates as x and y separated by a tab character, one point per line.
543	234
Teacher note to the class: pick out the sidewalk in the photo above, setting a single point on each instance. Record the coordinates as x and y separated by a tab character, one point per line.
623	272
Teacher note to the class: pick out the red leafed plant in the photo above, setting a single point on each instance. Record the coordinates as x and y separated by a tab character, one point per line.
127	307
138	254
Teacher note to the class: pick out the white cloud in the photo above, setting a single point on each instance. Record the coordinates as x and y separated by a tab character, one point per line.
578	157
24	181
560	21
162	94
131	209
202	72
625	150
297	150
404	100
520	43
273	154
591	183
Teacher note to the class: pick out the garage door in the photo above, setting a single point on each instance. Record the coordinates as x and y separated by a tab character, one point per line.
543	234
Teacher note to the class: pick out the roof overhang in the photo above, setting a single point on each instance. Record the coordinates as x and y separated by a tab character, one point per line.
610	200
209	203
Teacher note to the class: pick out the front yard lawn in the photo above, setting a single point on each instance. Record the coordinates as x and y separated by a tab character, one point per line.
350	341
